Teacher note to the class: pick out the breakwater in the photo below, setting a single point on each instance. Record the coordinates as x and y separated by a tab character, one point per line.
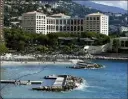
62	83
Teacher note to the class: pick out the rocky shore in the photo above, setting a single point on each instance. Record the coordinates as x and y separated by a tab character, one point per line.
64	57
95	66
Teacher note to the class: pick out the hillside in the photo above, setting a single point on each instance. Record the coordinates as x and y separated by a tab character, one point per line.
101	7
15	8
76	10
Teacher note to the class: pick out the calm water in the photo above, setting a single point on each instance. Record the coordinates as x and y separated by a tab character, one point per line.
109	82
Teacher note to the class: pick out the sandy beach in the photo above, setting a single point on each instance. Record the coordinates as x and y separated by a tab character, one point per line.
32	63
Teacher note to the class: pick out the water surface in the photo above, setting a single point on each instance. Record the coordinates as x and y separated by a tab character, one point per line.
109	82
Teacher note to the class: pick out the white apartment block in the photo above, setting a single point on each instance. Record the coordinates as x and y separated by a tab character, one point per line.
34	22
97	22
40	23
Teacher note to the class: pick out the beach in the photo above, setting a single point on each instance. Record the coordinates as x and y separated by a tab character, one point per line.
32	63
19	60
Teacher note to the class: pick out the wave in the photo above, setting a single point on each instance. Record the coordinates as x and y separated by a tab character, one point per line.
85	85
82	86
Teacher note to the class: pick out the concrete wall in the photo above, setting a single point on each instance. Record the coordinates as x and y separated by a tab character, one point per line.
98	49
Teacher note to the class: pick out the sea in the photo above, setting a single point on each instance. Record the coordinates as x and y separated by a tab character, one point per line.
108	82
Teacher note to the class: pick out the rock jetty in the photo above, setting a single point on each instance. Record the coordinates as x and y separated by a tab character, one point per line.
62	83
86	65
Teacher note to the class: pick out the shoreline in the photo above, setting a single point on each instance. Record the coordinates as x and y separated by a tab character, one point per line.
32	63
58	59
109	58
43	63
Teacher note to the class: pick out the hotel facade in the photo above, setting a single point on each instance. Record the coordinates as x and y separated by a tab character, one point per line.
39	23
97	22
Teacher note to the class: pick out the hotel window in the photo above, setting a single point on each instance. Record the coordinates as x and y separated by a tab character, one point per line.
78	28
57	22
78	21
74	22
122	43
68	28
87	18
98	18
71	22
126	43
68	21
81	21
90	18
60	21
64	28
71	28
64	21
74	28
94	18
61	28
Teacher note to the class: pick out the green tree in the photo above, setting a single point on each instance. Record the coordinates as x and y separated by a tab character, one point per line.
42	49
115	45
21	46
47	6
3	48
66	49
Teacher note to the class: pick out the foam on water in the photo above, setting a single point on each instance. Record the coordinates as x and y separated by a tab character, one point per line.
82	86
97	87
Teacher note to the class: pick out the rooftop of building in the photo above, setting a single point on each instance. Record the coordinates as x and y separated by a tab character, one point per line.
98	13
75	38
59	15
33	12
123	38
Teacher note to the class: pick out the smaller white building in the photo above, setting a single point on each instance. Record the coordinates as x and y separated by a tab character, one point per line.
123	43
123	29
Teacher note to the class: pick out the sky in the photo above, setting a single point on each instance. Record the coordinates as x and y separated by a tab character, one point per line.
117	3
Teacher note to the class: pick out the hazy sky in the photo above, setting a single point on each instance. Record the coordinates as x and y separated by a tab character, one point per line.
118	3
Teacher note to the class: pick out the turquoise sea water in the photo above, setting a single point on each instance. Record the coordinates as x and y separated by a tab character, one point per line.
109	82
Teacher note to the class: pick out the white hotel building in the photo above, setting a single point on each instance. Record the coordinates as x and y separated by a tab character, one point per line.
39	23
97	22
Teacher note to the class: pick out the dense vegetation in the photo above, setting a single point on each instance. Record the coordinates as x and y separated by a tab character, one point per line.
22	41
3	48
